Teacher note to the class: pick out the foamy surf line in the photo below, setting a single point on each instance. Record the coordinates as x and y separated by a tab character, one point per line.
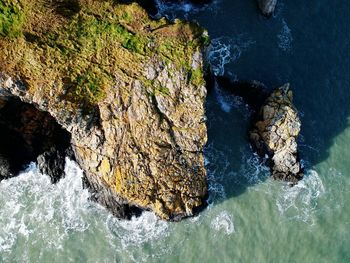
138	230
300	201
31	204
225	50
169	9
34	210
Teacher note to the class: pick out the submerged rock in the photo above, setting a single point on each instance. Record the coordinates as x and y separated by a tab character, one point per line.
267	7
52	162
129	90
275	133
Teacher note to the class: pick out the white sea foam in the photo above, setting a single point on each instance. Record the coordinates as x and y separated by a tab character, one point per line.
221	53
223	222
34	208
285	37
36	212
217	165
224	50
253	167
138	230
300	202
173	10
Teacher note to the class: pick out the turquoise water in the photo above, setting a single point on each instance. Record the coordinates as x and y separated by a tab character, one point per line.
251	218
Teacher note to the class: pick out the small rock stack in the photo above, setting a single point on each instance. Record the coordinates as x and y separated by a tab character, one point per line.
275	133
267	7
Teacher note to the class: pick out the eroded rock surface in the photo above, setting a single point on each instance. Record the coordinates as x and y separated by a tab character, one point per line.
275	134
52	162
267	7
129	90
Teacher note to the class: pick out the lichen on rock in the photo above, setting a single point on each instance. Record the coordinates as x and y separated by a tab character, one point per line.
275	134
129	89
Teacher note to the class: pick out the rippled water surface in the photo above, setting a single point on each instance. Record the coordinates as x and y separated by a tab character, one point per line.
250	218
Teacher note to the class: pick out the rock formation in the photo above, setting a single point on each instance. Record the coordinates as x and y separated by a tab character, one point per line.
52	162
267	7
275	133
128	89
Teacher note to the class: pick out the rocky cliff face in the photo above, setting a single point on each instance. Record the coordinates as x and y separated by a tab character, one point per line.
128	89
275	134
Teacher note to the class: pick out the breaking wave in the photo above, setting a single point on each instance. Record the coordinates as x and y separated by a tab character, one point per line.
223	222
300	201
138	230
45	217
31	204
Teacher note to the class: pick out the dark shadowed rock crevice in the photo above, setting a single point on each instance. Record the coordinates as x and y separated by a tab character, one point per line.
27	134
117	205
253	93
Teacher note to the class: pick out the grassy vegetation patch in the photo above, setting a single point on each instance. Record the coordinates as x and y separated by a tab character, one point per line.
196	77
81	50
162	90
11	18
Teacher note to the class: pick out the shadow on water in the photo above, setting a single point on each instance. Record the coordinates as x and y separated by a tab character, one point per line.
305	45
231	164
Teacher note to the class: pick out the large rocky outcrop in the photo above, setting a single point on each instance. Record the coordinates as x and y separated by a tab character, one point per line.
275	133
267	7
128	89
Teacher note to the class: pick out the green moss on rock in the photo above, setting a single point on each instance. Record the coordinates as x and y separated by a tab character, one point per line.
11	18
81	48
